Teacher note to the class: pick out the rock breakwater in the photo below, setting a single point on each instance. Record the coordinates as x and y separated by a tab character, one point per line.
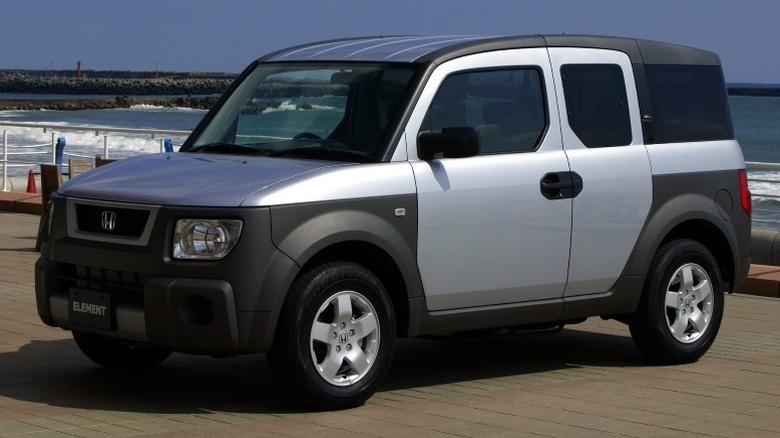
122	89
178	84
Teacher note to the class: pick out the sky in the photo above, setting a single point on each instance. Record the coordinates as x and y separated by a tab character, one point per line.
226	35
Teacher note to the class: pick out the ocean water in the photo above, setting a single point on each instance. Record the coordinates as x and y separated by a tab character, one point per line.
757	127
756	124
139	116
86	143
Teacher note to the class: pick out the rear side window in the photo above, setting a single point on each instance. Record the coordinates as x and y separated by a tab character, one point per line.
596	104
505	105
689	103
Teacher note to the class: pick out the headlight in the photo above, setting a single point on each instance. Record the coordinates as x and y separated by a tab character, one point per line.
205	238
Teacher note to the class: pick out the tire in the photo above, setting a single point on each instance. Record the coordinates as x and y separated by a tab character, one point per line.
335	337
681	308
119	354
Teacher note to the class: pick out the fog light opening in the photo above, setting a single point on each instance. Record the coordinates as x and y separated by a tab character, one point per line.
196	310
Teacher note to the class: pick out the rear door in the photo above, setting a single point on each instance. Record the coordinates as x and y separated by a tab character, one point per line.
488	235
603	140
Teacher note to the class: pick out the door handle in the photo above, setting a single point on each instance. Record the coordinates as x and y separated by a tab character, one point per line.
560	185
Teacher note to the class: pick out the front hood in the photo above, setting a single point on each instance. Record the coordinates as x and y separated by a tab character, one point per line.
187	179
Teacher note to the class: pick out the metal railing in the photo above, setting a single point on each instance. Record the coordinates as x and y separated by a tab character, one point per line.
764	178
765	185
50	149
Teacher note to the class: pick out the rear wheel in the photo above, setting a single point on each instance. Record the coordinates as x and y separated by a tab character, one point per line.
335	337
116	353
682	304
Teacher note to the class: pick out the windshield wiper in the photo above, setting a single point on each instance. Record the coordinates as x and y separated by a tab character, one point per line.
322	152
228	148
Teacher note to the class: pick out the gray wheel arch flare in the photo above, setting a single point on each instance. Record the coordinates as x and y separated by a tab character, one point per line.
305	232
692	214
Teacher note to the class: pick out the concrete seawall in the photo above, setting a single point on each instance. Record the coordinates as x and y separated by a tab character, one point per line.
765	247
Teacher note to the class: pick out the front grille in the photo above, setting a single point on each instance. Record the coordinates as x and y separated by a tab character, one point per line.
126	287
124	222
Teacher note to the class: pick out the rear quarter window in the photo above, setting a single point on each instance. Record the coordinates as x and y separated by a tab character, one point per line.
689	103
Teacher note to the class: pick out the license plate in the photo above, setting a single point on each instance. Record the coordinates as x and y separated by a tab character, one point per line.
90	308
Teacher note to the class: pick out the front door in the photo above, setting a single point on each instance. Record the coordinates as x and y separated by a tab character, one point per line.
489	232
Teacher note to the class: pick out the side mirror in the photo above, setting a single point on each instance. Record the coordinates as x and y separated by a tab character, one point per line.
450	142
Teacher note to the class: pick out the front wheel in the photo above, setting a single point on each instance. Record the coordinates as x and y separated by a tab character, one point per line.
335	338
682	305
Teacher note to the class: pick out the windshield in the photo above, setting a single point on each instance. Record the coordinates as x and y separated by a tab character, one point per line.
321	111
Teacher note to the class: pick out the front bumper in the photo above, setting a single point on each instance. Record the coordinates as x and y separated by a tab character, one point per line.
228	306
192	315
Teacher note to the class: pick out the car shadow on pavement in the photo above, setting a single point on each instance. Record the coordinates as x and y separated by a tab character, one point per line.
485	355
57	374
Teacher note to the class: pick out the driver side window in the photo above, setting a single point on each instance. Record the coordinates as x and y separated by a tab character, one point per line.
506	106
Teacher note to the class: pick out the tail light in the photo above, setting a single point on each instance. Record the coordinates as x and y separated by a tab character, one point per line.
744	193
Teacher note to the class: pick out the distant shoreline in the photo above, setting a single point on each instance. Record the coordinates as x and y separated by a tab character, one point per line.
754	91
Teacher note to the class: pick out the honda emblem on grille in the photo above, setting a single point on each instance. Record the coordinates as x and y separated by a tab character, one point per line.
108	220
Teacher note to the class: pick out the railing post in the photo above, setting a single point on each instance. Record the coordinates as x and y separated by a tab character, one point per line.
5	160
53	149
60	151
8	156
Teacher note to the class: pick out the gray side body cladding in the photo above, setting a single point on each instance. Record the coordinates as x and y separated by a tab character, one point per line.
698	206
704	206
378	233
